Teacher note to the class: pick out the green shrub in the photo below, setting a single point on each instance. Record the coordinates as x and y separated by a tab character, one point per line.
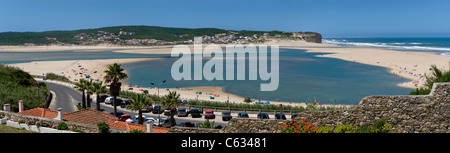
53	76
136	131
341	128
207	124
78	131
325	129
421	91
62	126
247	100
103	127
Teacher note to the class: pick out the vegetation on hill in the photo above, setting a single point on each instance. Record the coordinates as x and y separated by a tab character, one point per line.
138	32
16	85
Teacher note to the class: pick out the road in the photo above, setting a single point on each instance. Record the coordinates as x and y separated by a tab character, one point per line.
66	97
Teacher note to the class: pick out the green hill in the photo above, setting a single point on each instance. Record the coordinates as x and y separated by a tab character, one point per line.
16	85
113	35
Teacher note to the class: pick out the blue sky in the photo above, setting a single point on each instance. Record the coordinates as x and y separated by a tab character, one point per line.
332	18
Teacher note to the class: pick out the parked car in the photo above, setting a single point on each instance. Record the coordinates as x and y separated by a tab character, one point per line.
242	115
165	122
226	116
195	113
135	118
117	103
263	116
186	124
124	103
117	114
102	98
167	111
148	109
124	117
209	114
182	112
277	116
184	101
157	109
108	100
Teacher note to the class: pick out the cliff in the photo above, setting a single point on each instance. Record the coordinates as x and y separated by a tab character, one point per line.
308	36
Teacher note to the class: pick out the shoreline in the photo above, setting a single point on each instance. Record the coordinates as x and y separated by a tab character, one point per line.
390	59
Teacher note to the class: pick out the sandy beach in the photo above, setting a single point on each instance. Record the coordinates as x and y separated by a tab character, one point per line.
410	65
74	69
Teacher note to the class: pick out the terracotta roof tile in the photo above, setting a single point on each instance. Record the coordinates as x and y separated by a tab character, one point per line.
41	112
91	116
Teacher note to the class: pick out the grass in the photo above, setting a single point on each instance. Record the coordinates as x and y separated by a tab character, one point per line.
8	129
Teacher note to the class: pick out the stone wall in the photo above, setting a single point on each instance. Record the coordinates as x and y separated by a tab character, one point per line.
192	130
236	125
411	114
87	128
242	125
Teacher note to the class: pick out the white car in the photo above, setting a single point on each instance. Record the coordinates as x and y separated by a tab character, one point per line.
134	119
108	100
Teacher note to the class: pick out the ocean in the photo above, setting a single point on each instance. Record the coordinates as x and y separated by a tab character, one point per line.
439	45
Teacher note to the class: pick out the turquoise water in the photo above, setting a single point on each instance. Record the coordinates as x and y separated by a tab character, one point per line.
302	76
23	57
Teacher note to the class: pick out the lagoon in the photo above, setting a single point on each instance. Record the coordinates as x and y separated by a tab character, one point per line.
302	76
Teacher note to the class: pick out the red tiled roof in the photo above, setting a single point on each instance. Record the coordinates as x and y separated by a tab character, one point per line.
41	112
91	116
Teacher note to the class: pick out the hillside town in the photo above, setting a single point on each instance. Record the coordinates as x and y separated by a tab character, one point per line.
111	39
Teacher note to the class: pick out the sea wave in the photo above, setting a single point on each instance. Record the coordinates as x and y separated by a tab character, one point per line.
394	46
446	54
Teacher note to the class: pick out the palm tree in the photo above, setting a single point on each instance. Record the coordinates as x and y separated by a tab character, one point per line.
89	92
171	101
139	102
98	88
81	86
115	74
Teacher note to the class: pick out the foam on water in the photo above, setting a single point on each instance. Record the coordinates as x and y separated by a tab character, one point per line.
440	46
